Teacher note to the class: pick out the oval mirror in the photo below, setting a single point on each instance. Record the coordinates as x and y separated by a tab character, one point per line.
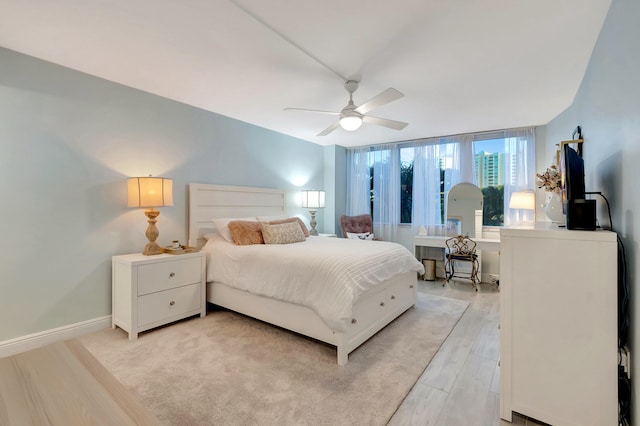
463	200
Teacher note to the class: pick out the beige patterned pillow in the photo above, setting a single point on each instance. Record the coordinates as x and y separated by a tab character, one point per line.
292	219
283	233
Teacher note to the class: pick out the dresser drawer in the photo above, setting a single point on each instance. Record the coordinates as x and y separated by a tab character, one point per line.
166	275
164	305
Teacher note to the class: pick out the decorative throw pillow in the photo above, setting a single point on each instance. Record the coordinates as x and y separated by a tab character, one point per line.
283	233
245	232
360	236
222	225
292	219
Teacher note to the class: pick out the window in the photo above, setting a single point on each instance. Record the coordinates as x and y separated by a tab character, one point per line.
439	164
411	180
406	184
490	172
489	176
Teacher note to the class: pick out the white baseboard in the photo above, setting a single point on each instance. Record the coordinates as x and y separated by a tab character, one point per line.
43	338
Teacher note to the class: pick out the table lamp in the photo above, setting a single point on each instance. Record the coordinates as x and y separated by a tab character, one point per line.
150	192
313	200
525	200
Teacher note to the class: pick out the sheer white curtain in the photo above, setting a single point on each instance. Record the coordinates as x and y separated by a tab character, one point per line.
456	156
386	191
463	168
358	182
519	161
426	206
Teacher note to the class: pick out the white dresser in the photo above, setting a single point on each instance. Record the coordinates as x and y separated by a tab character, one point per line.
558	318
149	291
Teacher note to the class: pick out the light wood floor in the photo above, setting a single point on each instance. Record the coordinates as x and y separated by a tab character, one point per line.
63	384
461	385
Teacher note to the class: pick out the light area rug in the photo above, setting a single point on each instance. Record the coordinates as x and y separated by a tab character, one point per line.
228	369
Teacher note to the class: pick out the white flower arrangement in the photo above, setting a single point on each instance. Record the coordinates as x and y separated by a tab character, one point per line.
549	180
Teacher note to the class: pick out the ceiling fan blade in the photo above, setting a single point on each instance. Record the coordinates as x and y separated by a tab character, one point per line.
392	124
330	129
385	97
313	110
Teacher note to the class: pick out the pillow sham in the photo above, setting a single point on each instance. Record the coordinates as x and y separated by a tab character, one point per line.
282	233
360	236
305	231
222	225
245	232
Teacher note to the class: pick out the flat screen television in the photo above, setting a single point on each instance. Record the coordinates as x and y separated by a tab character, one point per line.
580	213
571	176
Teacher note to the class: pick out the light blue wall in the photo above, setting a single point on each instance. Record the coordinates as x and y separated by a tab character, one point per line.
335	178
607	107
68	141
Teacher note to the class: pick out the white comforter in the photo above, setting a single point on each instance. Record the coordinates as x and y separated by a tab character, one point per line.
325	274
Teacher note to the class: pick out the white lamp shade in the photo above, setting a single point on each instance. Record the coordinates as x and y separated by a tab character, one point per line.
312	199
350	122
523	200
149	192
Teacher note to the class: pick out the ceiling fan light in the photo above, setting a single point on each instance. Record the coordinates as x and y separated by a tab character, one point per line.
350	123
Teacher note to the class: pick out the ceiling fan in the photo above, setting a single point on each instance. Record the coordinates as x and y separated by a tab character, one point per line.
352	116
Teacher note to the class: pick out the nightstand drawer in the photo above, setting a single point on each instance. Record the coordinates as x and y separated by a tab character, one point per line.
164	305
166	275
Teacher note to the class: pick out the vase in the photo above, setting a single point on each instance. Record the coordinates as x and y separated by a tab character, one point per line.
553	209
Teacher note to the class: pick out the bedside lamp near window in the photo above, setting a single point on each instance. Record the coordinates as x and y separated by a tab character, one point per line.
313	200
150	192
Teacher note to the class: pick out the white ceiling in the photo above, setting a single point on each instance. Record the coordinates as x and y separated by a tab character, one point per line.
464	66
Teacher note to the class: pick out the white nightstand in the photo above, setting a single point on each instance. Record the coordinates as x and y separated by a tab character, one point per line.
149	291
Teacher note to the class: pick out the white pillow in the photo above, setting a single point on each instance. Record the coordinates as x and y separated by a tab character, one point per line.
222	225
360	236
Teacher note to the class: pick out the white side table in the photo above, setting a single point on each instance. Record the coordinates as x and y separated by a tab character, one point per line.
149	291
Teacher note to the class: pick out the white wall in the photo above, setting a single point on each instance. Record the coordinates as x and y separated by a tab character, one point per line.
68	141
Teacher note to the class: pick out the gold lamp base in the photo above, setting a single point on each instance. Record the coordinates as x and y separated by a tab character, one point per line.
152	233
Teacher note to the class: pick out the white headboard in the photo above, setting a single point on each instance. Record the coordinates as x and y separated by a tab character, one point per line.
207	201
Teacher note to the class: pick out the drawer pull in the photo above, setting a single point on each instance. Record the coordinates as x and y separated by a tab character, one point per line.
172	274
353	320
393	297
381	303
172	303
410	285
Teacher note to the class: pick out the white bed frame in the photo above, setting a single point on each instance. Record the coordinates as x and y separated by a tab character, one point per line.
371	312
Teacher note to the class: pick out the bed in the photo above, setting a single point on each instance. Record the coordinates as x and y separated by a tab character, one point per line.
371	304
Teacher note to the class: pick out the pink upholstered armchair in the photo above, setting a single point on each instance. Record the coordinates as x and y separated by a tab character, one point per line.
356	224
